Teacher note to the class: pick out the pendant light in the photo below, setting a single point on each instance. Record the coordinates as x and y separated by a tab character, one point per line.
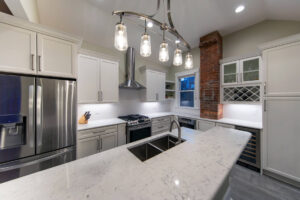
163	50
145	47
188	61
177	59
121	42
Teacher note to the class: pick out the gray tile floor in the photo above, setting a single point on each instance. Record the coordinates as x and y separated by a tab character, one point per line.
249	185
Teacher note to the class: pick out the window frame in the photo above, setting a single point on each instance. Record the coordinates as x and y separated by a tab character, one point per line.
187	73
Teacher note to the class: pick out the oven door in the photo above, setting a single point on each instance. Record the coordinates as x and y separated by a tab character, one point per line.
138	132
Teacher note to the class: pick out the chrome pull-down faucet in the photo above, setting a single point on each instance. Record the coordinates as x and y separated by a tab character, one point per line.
179	130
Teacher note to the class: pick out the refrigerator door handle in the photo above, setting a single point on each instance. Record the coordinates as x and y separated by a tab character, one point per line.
31	111
39	118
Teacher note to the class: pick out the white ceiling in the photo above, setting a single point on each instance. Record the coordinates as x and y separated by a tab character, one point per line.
93	21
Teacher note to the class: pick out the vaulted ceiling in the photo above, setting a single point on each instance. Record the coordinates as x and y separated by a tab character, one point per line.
93	20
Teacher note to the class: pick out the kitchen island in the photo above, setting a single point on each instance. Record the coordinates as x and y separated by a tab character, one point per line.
195	169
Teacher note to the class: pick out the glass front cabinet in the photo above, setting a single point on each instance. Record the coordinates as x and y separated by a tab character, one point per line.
242	71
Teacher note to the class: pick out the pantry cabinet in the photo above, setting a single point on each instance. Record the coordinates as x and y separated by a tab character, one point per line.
104	76
154	81
28	51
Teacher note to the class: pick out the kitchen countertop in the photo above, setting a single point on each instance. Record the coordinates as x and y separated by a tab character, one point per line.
195	169
250	124
99	123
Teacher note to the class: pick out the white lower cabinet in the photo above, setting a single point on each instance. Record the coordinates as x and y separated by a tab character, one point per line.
96	140
161	124
225	125
203	125
87	146
108	141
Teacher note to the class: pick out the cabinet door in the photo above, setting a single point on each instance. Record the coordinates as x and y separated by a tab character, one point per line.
56	57
87	146
205	125
109	141
230	73
151	84
121	134
17	50
250	70
281	124
282	66
109	81
88	79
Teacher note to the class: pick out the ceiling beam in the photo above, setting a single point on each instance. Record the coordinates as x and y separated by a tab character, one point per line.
26	9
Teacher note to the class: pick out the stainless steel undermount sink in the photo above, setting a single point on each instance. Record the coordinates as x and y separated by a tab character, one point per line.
154	147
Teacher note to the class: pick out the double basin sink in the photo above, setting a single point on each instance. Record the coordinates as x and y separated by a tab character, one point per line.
154	147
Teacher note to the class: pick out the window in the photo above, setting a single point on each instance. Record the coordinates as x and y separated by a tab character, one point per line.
186	89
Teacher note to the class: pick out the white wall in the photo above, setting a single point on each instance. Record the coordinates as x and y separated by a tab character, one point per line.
129	103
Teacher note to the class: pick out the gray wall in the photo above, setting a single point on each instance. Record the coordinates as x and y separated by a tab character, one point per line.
246	41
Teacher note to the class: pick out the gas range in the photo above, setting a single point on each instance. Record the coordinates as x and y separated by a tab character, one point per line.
138	127
133	120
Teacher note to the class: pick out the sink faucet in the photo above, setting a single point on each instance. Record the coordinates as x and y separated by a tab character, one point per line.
179	130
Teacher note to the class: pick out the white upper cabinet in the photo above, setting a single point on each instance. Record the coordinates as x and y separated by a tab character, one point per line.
55	57
230	72
88	79
154	82
29	48
17	50
109	81
242	71
98	80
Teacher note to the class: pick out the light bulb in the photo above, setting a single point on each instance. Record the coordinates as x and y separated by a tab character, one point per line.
163	52
149	24
145	47
188	61
177	60
121	37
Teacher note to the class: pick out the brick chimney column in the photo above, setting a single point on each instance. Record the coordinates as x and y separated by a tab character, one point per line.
210	55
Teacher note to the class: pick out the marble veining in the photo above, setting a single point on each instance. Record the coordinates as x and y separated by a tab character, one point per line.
194	169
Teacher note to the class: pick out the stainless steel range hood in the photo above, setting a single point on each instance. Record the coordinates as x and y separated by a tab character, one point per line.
130	82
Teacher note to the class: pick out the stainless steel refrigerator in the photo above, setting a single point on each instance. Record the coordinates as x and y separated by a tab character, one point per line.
37	124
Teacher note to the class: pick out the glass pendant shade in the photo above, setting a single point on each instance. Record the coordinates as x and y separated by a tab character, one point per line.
145	48
163	52
121	42
177	60
188	61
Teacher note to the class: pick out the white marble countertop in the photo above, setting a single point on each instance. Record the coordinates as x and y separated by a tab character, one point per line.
194	169
250	124
99	123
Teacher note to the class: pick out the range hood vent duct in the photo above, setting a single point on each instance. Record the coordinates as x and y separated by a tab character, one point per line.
130	82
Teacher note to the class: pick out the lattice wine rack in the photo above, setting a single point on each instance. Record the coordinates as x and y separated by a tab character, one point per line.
242	94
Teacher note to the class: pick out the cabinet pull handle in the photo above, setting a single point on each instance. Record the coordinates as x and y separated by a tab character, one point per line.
40	65
98	95
32	61
265	88
101	95
99	145
241	77
265	105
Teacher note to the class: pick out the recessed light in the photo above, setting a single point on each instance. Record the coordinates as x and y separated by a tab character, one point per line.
239	9
149	24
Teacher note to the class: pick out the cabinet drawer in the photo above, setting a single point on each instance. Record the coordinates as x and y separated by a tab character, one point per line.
161	120
225	125
160	127
97	131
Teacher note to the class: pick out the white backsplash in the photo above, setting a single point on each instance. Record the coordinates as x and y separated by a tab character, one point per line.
243	112
129	103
